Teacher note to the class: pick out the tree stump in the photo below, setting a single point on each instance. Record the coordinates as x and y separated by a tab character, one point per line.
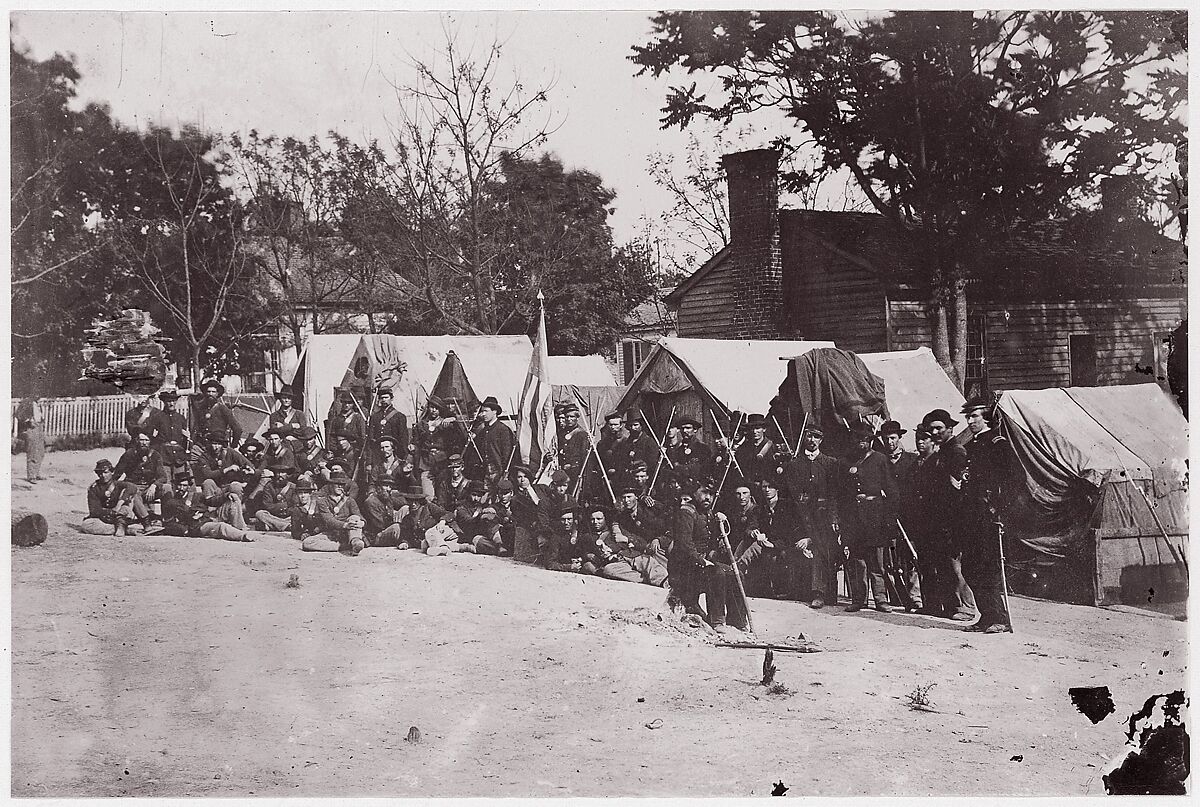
28	529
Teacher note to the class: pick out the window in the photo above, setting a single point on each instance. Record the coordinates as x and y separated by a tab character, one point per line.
1162	351
976	381
1083	360
630	355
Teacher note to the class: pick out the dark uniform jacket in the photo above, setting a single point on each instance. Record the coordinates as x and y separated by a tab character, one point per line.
102	501
206	465
171	425
184	515
335	512
814	486
449	493
869	521
351	425
287	420
573	453
215	417
141	467
309	460
642	526
612	454
283	458
904	470
142	419
495	445
944	505
693	461
563	548
781	523
756	461
632	449
988	459
306	523
387	423
691	544
277	498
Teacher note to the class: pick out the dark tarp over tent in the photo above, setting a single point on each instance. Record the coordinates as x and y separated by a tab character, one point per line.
836	387
594	402
1077	527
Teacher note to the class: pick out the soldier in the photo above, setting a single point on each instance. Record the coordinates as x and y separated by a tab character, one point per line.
276	498
185	510
252	450
341	521
981	530
431	436
210	414
756	452
904	467
607	455
494	449
693	565
216	465
691	458
605	554
870	493
943	506
346	452
637	447
478	522
110	505
347	421
278	454
142	418
526	508
752	548
386	421
643	536
190	513
453	483
565	548
311	460
29	423
574	447
142	467
171	424
389	464
812	481
288	415
918	529
779	526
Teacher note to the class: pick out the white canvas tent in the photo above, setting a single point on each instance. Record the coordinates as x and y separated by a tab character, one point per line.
914	384
702	376
1077	526
579	371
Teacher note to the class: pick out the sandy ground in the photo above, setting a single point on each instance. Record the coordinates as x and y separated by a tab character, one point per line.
184	667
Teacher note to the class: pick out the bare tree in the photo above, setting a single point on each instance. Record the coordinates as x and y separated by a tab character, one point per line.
456	122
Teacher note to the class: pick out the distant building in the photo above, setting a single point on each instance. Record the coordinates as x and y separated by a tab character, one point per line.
1062	307
644	324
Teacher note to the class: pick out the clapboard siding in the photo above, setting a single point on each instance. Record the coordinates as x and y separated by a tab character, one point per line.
706	310
829	297
1028	344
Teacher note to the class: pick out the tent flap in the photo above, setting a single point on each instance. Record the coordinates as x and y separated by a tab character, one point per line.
829	381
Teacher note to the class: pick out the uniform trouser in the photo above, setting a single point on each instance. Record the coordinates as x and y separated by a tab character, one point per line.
907	577
227	532
427	487
620	570
98	526
754	561
721	596
981	570
272	522
651	564
867	562
391	535
958	597
525	545
145	504
35	451
827	558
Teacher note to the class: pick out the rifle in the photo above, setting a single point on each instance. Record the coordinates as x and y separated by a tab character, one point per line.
728	445
663	451
728	465
470	432
783	436
723	529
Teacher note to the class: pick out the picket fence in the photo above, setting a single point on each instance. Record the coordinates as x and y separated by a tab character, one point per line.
76	417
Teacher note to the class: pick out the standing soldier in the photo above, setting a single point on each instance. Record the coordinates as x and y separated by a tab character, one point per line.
691	457
612	459
288	415
493	453
904	467
386	421
694	564
171	423
942	514
636	447
756	452
870	492
29	422
812	481
347	421
982	530
574	446
432	438
211	415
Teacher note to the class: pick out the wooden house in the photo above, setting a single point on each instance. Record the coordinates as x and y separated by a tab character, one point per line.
1062	305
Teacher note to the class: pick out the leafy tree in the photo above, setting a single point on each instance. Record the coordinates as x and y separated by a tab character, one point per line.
175	228
961	128
548	229
59	280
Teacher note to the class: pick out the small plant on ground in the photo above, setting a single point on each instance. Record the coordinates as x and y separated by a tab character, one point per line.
780	690
918	699
293	582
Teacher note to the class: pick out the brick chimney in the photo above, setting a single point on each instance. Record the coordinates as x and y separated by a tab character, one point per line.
753	178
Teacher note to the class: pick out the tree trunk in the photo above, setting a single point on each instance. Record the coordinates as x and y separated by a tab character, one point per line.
958	340
941	339
197	376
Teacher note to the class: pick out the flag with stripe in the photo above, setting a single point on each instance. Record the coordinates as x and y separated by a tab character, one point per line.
536	435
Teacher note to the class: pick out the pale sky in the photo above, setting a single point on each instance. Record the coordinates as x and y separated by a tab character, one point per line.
303	73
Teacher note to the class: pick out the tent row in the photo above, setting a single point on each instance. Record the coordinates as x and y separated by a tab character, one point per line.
1098	512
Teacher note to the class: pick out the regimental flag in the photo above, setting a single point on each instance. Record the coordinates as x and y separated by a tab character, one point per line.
536	436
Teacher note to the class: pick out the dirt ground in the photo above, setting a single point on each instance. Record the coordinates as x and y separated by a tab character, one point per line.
184	667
